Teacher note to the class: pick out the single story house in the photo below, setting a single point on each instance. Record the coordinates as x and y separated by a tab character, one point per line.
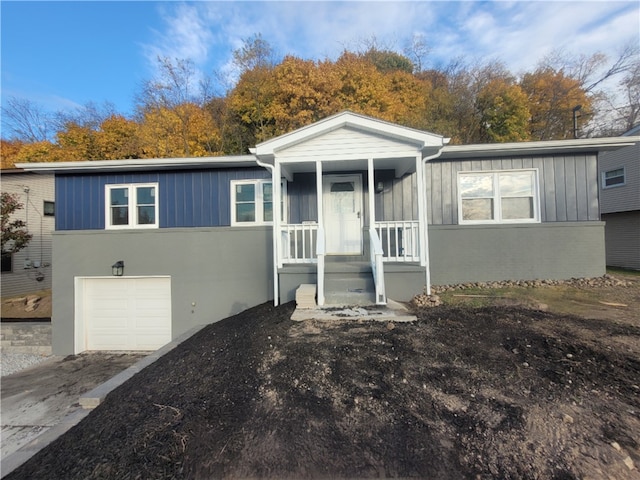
620	203
29	270
351	204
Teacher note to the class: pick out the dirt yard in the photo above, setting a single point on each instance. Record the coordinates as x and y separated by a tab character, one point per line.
491	389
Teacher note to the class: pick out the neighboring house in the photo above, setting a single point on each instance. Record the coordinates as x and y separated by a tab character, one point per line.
29	270
620	204
351	204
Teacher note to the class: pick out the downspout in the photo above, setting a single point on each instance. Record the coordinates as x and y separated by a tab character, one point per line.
276	214
426	215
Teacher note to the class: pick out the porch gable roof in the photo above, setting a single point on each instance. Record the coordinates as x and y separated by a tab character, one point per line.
426	142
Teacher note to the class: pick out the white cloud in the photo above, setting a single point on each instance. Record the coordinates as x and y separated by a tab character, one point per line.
186	35
520	33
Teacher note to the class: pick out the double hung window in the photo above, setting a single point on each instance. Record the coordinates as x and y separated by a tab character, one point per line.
498	197
252	202
132	206
613	178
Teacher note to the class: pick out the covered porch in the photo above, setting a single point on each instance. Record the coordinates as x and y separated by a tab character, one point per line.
353	219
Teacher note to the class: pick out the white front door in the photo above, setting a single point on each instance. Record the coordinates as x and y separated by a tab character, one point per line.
342	208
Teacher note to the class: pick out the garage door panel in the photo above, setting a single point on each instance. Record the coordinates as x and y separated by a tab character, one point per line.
107	341
105	324
127	313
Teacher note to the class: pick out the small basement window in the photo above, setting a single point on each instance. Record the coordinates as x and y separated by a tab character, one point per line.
613	178
49	208
7	262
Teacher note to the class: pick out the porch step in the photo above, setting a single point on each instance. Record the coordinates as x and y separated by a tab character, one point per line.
349	287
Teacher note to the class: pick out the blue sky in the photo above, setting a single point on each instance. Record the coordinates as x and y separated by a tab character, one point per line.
64	54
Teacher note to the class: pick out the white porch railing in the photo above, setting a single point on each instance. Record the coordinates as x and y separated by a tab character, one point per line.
400	240
299	242
377	266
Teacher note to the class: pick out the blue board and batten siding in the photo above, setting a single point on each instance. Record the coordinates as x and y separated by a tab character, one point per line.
187	198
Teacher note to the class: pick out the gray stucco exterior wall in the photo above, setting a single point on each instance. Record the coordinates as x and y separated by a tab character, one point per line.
481	253
221	270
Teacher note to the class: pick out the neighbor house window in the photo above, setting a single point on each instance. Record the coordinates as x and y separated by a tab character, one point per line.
613	178
49	208
132	206
252	202
498	196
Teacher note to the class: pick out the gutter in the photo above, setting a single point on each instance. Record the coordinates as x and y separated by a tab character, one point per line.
426	215
272	169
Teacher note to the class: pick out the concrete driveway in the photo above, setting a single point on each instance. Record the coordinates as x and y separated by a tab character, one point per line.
35	400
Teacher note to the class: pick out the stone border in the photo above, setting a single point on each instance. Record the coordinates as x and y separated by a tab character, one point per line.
593	282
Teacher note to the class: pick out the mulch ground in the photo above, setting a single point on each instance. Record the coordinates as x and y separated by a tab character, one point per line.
501	392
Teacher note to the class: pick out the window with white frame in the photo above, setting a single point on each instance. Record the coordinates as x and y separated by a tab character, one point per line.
613	178
498	197
132	205
252	202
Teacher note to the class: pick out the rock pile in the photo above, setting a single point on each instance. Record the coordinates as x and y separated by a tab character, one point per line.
426	301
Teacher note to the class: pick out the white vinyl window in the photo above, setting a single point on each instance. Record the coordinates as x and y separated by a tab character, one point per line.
131	206
252	202
509	196
613	178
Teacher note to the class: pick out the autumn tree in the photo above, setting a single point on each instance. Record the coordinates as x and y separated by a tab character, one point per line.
504	112
552	97
9	150
77	143
119	138
15	235
302	92
172	104
465	82
254	62
37	152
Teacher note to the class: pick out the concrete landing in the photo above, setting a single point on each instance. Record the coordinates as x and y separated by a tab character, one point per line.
392	312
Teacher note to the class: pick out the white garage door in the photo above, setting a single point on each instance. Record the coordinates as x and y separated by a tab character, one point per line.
127	313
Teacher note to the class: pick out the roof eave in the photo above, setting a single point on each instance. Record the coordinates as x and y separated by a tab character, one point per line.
537	148
140	165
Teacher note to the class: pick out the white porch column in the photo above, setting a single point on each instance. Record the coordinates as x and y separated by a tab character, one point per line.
319	193
321	236
422	217
372	190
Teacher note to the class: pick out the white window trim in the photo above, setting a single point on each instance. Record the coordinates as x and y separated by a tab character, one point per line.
604	180
497	204
259	201
133	211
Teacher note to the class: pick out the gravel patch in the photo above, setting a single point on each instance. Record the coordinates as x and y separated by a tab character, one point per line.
14	362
